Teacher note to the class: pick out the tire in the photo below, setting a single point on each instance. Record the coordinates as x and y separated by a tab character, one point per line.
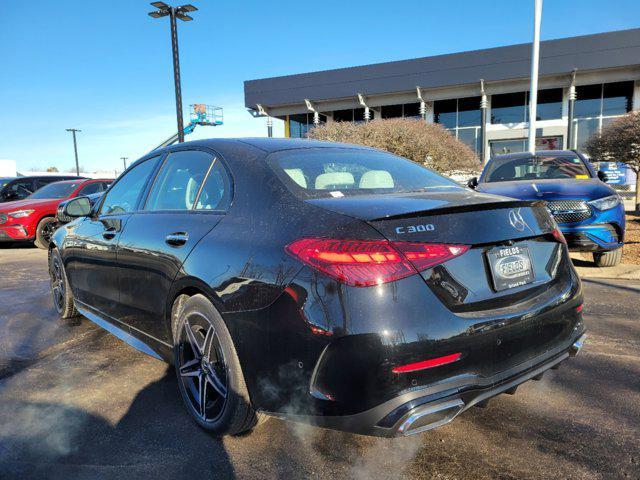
44	230
205	358
608	259
62	296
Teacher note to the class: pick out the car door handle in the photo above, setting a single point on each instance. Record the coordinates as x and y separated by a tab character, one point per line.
109	233
176	239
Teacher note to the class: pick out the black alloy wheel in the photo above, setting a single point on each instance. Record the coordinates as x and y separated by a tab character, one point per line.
60	290
44	232
202	368
58	284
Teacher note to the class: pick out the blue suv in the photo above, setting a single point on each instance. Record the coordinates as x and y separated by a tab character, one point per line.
588	211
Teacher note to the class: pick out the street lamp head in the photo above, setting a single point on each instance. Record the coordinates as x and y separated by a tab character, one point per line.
160	5
73	130
159	13
187	8
183	17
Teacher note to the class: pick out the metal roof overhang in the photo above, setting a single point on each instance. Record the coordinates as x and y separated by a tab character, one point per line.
614	55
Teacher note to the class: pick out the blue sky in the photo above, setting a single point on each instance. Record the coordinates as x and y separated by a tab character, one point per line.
105	66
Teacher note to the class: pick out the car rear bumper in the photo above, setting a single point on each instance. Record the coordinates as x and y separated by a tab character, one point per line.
430	407
14	233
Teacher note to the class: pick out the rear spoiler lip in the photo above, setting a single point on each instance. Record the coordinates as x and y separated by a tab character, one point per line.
464	208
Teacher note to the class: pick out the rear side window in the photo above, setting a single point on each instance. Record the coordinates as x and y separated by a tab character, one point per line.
216	193
123	197
337	172
178	184
91	188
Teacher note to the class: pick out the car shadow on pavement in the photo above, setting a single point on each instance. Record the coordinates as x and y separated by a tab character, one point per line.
154	439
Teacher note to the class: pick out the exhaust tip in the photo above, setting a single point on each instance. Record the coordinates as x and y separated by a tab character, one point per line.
577	345
427	418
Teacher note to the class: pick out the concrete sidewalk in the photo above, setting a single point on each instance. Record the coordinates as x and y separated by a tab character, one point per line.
587	269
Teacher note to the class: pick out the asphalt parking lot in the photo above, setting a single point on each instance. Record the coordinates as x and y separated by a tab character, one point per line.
77	403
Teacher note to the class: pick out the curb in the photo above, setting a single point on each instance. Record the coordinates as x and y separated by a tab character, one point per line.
586	269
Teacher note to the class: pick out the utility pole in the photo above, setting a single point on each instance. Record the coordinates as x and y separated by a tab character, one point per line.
124	162
173	13
533	90
75	147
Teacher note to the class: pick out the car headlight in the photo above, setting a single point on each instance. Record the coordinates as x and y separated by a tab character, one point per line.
605	203
20	213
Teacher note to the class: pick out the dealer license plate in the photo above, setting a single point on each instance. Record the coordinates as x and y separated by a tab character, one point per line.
510	267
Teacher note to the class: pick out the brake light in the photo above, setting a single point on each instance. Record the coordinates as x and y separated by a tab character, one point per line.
432	362
559	236
364	263
427	255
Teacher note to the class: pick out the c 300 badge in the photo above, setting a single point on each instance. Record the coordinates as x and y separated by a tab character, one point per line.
427	227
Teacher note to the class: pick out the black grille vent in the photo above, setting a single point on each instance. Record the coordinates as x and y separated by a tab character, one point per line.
569	211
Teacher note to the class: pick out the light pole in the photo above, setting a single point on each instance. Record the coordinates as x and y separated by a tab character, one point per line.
180	13
75	147
124	162
533	91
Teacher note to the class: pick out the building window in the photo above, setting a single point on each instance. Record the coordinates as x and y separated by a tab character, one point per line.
411	110
549	104
391	111
598	105
514	107
462	117
343	115
508	108
517	145
445	112
300	124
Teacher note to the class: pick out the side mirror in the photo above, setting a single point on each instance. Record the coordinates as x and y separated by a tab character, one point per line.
472	183
74	208
11	195
602	176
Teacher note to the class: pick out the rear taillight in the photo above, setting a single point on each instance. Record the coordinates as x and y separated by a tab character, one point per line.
559	236
364	263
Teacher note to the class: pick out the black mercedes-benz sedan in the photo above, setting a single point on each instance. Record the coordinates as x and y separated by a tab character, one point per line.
326	283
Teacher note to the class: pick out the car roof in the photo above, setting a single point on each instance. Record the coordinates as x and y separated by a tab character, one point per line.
83	180
539	153
62	177
267	145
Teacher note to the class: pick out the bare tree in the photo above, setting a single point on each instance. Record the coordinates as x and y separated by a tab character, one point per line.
619	142
52	169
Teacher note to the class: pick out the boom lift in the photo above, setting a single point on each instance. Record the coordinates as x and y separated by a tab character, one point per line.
200	114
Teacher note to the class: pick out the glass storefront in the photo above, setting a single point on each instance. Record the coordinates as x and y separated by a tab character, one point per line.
300	124
510	108
517	145
406	110
597	105
462	117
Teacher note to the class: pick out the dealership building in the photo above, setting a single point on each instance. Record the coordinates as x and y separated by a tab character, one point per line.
481	96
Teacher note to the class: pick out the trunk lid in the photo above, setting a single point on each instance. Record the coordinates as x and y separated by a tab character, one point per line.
485	223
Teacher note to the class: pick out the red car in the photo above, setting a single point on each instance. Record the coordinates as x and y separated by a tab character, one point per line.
33	219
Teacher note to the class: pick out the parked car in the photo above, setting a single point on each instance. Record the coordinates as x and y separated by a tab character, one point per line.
320	282
589	212
21	187
33	219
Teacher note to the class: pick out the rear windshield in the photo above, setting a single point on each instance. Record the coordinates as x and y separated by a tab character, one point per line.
339	172
55	190
536	168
